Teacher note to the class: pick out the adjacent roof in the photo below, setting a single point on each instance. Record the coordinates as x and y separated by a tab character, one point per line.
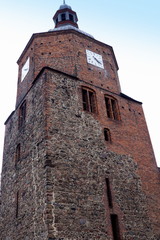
68	27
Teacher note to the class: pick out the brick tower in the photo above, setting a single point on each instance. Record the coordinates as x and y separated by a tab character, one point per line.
78	161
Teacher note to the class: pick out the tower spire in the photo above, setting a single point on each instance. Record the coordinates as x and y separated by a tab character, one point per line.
65	16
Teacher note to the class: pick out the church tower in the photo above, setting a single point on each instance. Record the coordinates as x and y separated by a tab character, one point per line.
78	162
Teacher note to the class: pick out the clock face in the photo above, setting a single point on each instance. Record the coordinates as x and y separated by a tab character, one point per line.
25	69
94	59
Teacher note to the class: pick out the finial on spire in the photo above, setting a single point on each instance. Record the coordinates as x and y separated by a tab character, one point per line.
64	2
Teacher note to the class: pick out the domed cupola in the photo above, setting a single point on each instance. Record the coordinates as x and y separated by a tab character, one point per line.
65	16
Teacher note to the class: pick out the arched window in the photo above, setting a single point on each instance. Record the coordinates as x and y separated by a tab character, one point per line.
112	108
107	135
89	100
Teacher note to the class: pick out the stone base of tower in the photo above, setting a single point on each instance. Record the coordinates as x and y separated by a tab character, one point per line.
68	185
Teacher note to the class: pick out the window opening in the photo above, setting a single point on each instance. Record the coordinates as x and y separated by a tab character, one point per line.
107	135
17	204
115	227
22	114
88	98
18	154
71	17
109	193
112	108
85	100
63	16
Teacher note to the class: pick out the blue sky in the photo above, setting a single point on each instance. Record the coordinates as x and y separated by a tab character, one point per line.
132	28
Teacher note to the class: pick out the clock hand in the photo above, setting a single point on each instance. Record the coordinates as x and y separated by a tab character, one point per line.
97	60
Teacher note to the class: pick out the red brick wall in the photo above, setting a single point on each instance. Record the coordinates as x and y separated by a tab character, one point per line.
65	51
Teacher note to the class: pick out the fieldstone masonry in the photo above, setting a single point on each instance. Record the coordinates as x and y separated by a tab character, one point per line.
62	172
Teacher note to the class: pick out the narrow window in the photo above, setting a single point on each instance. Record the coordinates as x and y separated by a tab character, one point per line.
88	98
63	16
22	114
85	100
112	108
71	17
107	135
115	227
18	154
109	194
56	20
17	204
